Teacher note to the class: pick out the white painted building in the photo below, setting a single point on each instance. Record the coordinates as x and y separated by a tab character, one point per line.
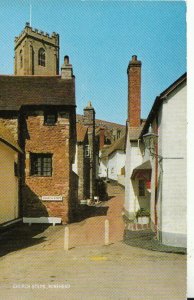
112	161
156	180
169	169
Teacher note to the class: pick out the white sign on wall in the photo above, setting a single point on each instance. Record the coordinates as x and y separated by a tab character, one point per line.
52	198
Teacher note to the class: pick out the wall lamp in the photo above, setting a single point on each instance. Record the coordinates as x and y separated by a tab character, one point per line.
150	140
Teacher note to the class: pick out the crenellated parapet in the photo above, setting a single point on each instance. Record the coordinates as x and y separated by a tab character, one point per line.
52	38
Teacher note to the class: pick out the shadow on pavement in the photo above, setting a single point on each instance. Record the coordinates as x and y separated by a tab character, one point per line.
21	237
146	239
85	212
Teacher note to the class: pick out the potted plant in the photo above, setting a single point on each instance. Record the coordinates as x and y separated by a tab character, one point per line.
143	216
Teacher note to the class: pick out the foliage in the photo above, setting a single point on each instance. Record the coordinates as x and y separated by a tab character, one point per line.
142	212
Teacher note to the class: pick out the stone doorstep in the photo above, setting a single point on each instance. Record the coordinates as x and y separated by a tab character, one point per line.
136	227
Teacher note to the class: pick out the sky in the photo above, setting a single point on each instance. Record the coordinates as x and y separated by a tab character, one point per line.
100	38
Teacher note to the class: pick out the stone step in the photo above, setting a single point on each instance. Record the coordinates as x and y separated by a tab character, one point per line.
136	226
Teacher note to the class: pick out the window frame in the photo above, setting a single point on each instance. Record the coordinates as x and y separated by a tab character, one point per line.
49	113
39	167
87	151
42	57
21	58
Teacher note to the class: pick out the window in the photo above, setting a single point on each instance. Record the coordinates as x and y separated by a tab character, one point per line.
141	187
50	118
16	169
41	57
87	151
21	59
41	164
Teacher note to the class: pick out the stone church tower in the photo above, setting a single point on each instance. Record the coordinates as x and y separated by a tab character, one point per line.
36	53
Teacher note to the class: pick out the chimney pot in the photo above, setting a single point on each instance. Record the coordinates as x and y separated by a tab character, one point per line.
134	57
66	60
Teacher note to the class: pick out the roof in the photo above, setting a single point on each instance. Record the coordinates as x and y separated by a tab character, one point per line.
16	91
81	132
102	123
159	100
146	166
134	132
117	145
7	138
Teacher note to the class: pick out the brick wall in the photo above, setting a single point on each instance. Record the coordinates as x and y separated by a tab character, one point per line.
40	138
134	92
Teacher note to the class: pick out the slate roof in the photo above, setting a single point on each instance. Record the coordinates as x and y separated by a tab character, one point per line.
16	91
81	132
7	138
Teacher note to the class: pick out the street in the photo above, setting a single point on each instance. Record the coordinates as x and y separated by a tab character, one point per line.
34	264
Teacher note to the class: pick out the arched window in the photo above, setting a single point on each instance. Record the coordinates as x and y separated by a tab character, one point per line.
21	59
41	57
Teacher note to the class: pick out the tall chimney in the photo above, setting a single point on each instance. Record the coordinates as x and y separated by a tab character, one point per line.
134	92
66	69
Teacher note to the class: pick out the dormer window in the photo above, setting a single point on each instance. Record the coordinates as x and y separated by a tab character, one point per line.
41	57
50	118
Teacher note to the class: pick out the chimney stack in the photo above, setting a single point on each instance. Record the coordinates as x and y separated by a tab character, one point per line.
134	92
66	69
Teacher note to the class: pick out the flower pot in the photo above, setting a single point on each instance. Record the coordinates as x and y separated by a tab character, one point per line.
143	220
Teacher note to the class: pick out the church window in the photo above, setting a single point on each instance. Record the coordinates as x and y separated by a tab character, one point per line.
41	57
21	59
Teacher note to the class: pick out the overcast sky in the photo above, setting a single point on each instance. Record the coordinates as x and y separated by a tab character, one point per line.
100	37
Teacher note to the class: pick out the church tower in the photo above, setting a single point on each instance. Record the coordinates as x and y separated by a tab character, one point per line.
36	53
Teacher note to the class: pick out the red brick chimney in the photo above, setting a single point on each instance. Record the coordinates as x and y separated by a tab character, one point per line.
134	92
101	137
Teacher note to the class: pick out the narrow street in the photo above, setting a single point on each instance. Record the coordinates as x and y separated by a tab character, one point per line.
34	264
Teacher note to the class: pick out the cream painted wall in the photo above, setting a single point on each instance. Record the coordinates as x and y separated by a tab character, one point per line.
8	185
173	149
102	171
74	165
116	162
133	159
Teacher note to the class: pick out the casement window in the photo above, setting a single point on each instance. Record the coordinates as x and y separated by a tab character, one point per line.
87	151
50	118
41	57
41	164
141	187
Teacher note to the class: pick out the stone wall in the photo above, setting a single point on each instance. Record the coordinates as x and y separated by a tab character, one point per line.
29	42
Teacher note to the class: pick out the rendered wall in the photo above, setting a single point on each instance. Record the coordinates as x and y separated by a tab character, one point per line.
8	185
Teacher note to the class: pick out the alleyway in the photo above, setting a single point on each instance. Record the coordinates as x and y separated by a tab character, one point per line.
35	265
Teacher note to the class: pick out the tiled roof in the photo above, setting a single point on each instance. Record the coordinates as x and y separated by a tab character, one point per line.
101	123
16	91
134	132
7	138
81	132
117	145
